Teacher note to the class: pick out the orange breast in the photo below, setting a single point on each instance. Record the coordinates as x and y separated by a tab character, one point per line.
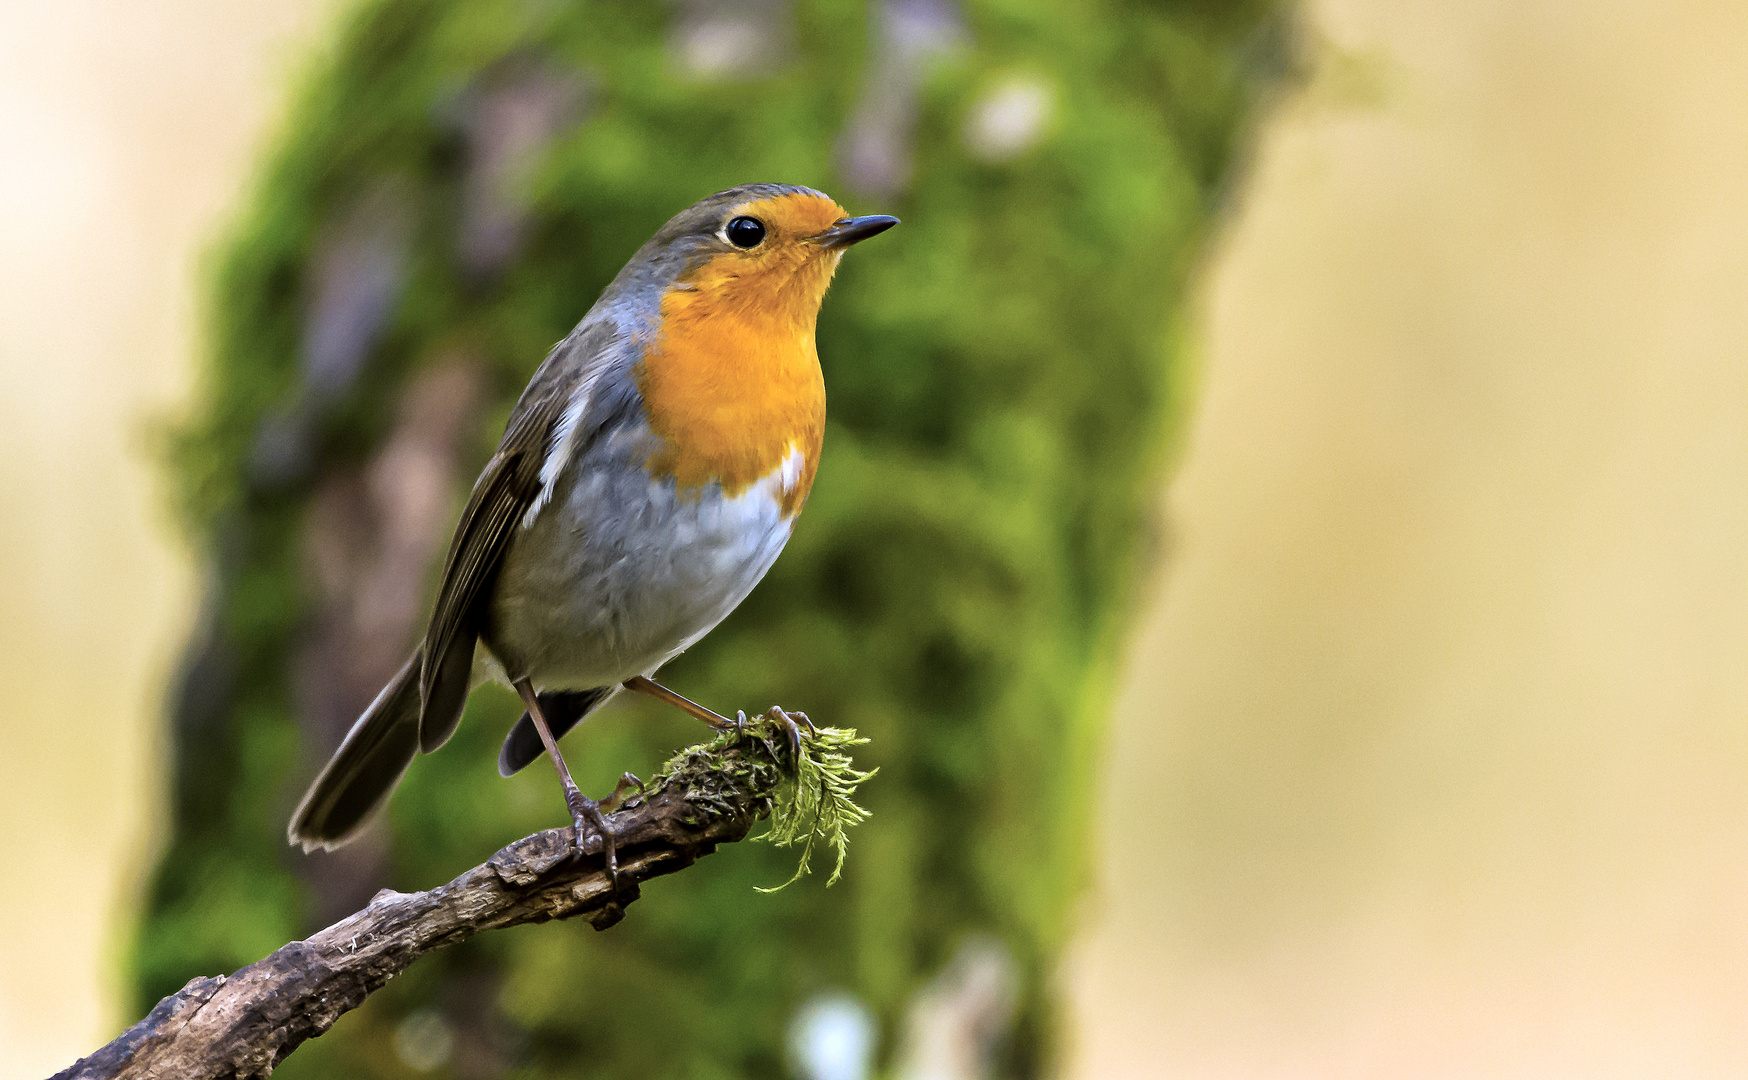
732	383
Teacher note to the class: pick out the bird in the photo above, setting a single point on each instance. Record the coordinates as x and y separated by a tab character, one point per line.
648	477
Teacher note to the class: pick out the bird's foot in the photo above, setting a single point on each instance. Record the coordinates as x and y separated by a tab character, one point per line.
586	810
791	729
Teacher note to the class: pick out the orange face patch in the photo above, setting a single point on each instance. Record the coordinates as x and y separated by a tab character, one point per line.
732	383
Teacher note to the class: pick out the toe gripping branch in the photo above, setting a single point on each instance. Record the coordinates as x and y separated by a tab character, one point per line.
777	766
800	776
707	795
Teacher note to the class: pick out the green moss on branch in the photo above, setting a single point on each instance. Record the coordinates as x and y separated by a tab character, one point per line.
246	1023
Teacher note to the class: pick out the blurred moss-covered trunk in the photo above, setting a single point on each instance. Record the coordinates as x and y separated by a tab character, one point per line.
458	181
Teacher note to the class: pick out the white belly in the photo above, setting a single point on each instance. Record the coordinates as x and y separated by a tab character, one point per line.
618	574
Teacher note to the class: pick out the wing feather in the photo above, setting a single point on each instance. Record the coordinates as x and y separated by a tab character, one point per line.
543	432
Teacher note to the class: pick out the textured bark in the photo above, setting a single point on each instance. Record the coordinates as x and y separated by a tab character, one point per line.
244	1024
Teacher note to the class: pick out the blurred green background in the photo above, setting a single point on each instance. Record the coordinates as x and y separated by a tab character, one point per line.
456	183
1428	748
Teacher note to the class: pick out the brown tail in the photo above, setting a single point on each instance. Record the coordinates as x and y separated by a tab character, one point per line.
368	765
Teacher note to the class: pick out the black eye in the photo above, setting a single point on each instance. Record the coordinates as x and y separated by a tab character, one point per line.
745	232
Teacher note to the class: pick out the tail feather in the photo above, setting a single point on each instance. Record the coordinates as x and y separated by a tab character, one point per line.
447	693
563	710
367	766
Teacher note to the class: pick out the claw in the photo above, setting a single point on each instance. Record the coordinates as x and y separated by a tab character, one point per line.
627	781
584	809
791	730
740	722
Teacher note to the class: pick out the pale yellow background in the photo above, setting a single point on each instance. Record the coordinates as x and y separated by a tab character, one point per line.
127	128
1432	755
1432	748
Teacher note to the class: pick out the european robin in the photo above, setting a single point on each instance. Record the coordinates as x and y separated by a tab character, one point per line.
648	478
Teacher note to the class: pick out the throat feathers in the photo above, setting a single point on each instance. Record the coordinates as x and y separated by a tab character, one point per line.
731	380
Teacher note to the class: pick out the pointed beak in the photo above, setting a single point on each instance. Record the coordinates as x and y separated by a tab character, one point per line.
854	230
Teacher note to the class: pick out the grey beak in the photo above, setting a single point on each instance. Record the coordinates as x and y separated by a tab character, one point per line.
853	230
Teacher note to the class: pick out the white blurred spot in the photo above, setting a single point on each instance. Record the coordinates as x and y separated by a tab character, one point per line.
832	1038
730	39
910	38
424	1041
1010	119
956	1022
723	48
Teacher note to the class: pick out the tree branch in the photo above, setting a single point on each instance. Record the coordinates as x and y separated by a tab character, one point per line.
242	1025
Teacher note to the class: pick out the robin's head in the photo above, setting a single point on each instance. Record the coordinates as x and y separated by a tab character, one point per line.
757	252
729	375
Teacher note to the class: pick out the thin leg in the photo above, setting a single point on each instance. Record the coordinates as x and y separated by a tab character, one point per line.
686	705
691	708
582	807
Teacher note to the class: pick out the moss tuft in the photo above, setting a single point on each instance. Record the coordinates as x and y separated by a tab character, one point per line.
810	790
816	802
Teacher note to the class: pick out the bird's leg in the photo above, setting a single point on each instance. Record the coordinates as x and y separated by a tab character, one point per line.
581	806
691	708
787	720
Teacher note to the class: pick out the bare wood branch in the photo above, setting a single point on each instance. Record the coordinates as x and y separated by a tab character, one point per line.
244	1024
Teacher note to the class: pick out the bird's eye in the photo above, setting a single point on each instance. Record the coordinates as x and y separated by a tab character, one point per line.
745	232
